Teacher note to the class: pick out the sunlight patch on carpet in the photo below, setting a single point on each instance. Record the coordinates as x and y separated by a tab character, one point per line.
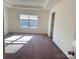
25	38
19	42
13	48
12	38
7	41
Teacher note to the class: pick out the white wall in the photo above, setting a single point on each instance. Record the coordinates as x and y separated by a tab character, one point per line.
64	25
6	28
14	21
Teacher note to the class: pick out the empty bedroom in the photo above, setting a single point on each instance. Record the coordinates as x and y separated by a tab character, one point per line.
39	29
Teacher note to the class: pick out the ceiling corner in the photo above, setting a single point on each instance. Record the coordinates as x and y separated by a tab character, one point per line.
6	3
45	4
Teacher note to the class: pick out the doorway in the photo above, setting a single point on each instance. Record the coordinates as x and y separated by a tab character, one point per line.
52	25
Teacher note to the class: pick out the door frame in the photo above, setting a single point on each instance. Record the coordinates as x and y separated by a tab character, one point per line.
52	24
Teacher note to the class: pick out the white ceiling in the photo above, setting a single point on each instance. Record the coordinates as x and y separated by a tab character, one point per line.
31	3
28	2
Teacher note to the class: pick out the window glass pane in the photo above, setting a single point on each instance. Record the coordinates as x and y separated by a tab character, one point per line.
24	16
24	23
33	23
33	17
28	21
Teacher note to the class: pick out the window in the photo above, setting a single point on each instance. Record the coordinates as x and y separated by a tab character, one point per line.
28	21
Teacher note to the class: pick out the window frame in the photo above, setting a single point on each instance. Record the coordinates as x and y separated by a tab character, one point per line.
29	22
